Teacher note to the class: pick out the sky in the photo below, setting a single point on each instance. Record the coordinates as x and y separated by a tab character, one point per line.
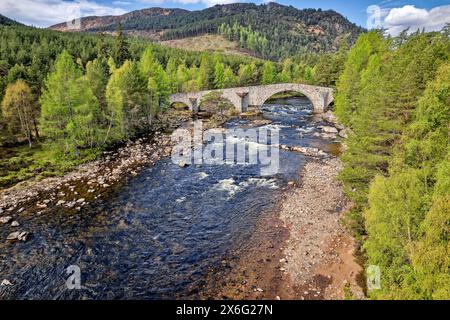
393	15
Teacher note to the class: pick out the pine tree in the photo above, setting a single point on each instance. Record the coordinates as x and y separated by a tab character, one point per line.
121	52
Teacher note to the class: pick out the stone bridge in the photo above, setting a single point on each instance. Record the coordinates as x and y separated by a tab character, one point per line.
254	97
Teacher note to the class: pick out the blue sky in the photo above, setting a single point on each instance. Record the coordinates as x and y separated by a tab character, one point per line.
394	14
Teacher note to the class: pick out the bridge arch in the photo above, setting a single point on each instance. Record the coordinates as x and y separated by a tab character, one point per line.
289	93
319	97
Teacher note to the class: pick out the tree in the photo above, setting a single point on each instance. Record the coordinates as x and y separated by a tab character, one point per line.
172	78
205	72
148	63
127	97
396	165
229	79
219	75
182	77
97	78
121	52
215	104
348	84
70	110
19	111
269	74
84	128
287	71
162	85
59	97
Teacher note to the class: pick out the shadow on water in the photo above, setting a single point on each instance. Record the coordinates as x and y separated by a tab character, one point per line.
160	233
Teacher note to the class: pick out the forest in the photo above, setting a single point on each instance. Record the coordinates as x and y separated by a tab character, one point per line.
283	31
118	86
394	94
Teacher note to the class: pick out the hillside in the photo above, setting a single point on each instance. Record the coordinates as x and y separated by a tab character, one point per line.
207	42
7	21
269	30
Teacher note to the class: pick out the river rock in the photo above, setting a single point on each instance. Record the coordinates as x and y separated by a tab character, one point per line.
329	117
15	224
5	220
18	235
182	164
328	129
5	282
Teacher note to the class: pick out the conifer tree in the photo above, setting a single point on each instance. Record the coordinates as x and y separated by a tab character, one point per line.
121	52
219	75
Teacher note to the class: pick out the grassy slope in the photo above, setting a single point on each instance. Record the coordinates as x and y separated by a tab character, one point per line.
208	42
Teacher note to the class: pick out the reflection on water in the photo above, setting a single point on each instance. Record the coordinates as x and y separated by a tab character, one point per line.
159	234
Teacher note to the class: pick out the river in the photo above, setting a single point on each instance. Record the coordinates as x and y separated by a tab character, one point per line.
157	236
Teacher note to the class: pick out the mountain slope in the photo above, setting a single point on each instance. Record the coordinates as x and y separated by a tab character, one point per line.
269	30
4	21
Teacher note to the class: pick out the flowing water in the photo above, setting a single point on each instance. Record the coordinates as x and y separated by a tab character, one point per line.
157	236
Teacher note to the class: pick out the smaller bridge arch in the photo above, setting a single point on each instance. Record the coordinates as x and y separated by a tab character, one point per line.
255	96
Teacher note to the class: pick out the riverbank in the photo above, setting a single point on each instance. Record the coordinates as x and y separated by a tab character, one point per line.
302	252
86	183
319	254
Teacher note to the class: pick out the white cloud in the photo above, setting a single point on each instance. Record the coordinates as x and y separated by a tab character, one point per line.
44	13
122	3
399	19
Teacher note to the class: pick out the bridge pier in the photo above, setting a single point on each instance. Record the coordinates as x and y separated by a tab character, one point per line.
194	105
244	102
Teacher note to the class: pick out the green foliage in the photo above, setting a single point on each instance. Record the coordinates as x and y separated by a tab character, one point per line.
19	111
269	73
215	104
248	74
121	52
348	85
127	98
271	31
330	66
89	91
395	96
70	111
219	75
